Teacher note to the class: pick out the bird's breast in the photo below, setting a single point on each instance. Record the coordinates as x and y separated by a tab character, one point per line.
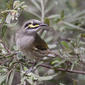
25	42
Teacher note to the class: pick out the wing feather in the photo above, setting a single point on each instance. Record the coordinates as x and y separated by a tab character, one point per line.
40	43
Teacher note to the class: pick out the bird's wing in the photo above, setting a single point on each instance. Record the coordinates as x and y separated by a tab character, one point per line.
40	43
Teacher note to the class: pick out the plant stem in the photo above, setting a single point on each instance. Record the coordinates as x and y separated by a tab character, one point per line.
42	11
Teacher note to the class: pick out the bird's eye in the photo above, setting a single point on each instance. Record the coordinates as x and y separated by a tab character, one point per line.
29	23
26	25
35	24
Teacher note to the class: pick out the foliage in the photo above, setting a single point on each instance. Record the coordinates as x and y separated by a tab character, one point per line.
66	37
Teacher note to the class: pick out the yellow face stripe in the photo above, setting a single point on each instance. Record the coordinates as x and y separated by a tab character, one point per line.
32	26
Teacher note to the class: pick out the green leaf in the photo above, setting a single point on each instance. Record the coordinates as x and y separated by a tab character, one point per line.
2	78
83	35
44	78
47	21
62	14
51	46
56	61
10	77
4	28
49	39
65	44
61	84
57	20
10	4
40	78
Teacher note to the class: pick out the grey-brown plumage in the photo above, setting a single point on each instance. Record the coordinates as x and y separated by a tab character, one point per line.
29	42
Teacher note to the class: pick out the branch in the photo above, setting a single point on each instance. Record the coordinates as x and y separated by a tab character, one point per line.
63	70
60	69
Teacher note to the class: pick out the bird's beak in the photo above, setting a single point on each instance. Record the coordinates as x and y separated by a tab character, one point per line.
42	25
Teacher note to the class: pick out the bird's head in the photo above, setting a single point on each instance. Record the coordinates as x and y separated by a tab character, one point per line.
34	25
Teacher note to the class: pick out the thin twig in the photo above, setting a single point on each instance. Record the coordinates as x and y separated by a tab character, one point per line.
63	70
42	11
9	52
60	69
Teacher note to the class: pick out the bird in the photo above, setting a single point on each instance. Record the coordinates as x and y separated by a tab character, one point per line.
29	42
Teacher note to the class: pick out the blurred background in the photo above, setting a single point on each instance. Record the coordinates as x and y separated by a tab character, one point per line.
66	19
